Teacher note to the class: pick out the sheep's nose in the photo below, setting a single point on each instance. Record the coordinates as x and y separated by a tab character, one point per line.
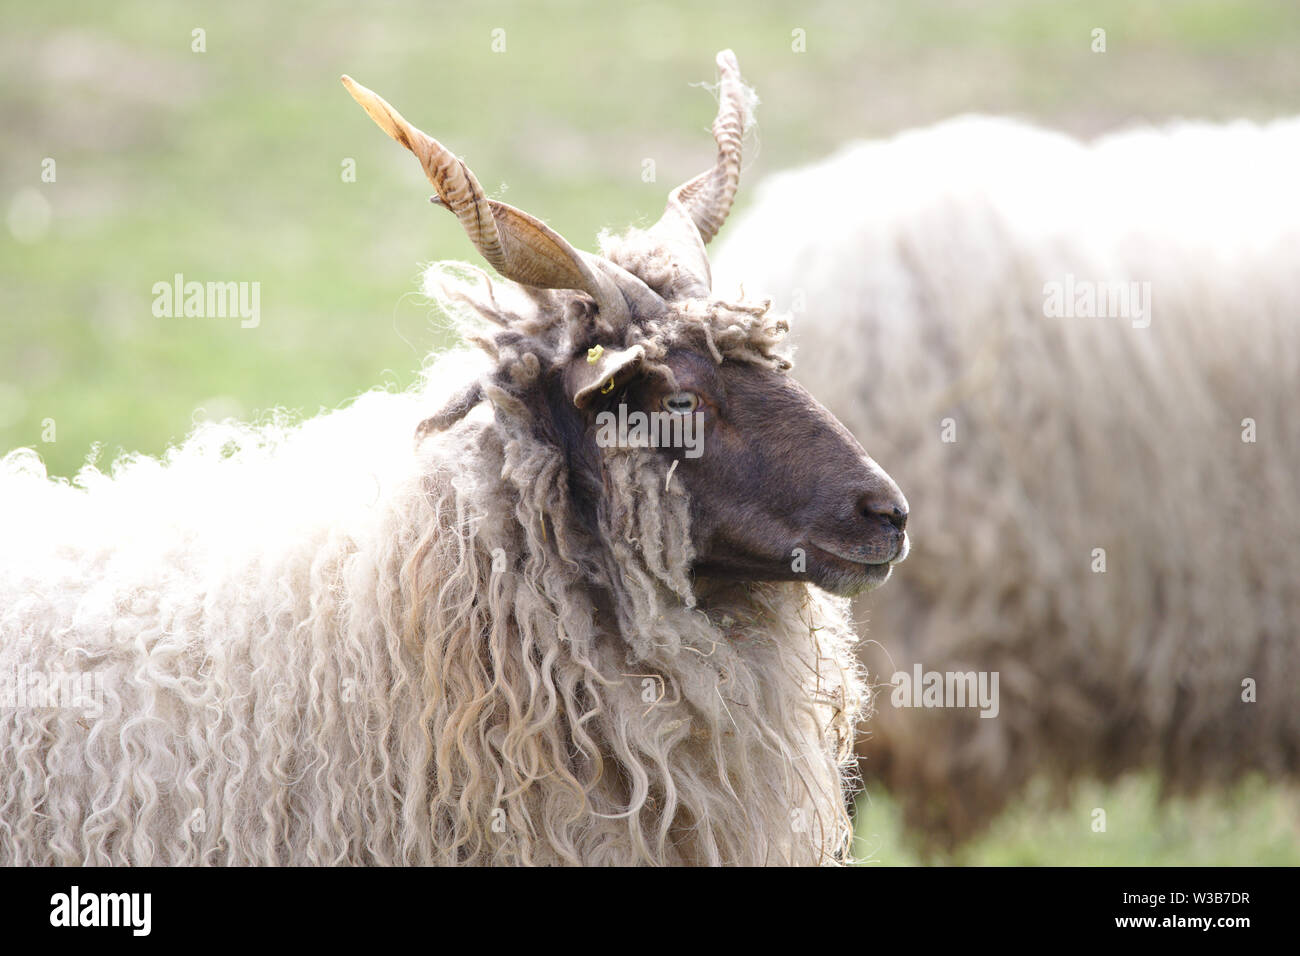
897	516
884	500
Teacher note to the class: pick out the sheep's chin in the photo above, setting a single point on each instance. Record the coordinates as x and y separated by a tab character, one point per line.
847	578
851	571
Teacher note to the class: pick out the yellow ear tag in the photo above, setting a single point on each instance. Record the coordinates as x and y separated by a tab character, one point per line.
608	388
594	353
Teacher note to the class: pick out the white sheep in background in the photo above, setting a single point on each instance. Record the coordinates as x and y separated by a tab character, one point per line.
384	637
940	282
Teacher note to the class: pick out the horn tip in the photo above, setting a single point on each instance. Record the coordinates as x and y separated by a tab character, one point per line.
357	91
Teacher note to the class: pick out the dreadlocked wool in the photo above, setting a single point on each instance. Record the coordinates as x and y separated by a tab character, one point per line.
1081	361
323	643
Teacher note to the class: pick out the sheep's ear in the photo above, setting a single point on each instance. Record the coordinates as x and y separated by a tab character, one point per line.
601	371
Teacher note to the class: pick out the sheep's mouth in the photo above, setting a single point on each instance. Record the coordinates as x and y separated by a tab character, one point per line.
871	553
847	571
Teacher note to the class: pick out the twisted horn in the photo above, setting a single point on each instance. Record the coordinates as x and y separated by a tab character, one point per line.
707	198
698	207
457	188
519	246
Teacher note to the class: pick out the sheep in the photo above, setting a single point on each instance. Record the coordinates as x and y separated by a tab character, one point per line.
451	625
1108	505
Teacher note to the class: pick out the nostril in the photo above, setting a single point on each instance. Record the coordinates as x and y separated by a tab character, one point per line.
890	510
898	518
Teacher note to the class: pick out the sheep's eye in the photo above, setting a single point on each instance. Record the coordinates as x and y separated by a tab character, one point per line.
681	403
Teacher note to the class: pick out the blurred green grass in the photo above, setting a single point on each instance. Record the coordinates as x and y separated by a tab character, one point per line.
1255	823
226	166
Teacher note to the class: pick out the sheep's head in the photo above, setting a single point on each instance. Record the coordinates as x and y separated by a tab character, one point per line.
628	368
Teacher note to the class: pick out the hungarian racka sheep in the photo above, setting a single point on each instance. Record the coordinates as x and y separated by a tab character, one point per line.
454	625
1083	359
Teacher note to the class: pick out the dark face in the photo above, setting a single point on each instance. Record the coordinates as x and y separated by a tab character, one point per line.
779	489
